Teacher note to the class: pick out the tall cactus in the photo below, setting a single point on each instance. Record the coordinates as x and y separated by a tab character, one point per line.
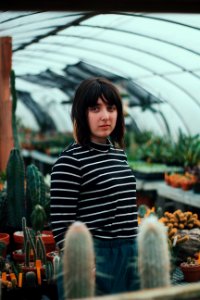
14	107
36	189
78	262
153	254
15	175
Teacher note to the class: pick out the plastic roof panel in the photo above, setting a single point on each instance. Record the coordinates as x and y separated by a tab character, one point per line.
151	56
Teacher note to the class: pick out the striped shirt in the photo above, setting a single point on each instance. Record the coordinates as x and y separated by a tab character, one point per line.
94	185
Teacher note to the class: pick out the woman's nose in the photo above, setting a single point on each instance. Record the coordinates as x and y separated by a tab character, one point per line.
104	114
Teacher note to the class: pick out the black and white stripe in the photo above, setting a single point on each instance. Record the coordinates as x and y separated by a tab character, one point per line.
94	185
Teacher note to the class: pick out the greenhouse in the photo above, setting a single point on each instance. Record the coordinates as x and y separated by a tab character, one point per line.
153	59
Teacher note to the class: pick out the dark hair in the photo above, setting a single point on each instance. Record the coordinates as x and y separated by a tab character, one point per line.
87	95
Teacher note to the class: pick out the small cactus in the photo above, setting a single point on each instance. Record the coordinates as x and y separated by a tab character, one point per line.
153	254
78	262
31	279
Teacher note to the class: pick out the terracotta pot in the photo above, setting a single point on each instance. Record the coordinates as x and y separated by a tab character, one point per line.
19	257
47	238
191	272
4	238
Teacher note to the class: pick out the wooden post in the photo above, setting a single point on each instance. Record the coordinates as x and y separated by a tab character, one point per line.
6	136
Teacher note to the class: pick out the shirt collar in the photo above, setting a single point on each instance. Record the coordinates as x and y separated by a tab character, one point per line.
101	147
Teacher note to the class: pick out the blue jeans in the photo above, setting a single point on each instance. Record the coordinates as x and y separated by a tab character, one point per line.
116	267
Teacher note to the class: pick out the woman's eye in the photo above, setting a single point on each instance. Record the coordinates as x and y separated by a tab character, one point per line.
112	107
94	108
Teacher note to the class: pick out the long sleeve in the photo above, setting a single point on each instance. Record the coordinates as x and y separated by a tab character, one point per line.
65	189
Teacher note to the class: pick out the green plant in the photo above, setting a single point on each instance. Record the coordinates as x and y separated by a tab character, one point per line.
15	175
38	218
33	243
78	262
153	254
36	191
14	107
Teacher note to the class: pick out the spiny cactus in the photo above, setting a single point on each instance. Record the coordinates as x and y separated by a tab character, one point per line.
31	279
36	189
38	218
56	265
78	262
15	174
49	271
153	254
14	107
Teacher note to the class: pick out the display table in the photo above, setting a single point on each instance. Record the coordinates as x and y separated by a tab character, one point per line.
166	191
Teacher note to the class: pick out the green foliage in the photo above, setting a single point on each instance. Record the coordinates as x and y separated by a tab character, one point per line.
15	175
153	254
78	262
185	151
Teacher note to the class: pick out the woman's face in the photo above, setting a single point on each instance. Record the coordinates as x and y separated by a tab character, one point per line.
102	120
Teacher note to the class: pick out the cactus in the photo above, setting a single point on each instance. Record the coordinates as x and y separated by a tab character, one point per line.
49	272
14	107
36	189
33	243
38	218
78	262
31	279
40	249
15	173
56	265
3	209
153	254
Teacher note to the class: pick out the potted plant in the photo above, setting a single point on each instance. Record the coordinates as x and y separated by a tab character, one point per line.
191	269
4	242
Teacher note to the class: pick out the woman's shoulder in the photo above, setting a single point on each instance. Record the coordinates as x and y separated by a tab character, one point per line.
71	150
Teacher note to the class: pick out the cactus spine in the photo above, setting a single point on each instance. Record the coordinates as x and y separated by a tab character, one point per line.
78	262
153	254
15	173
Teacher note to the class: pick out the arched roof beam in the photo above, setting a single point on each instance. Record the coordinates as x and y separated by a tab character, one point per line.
129	61
56	30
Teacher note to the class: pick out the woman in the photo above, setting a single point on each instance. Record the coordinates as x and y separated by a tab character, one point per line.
92	182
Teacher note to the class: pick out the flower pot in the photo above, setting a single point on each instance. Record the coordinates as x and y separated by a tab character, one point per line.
5	239
191	272
19	256
47	238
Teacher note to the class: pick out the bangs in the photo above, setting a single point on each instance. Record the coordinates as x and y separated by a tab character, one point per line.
101	91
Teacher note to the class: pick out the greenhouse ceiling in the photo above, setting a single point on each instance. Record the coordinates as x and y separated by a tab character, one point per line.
154	59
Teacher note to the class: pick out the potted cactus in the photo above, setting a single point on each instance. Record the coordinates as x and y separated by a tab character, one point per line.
191	269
